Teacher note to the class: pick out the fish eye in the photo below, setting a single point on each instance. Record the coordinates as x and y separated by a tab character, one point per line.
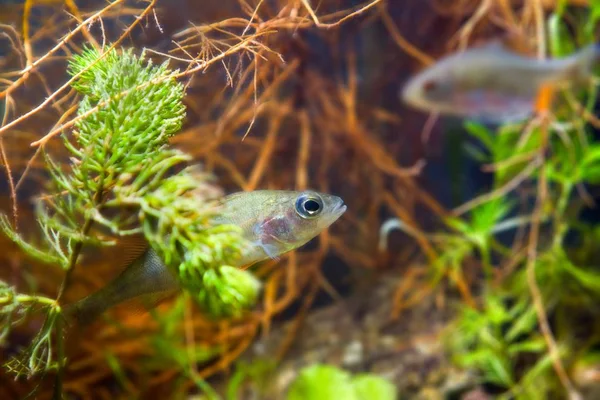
429	86
309	206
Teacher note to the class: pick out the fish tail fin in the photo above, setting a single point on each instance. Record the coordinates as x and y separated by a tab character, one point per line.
592	54
596	56
586	60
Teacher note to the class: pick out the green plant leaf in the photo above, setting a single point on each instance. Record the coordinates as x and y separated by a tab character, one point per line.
372	387
523	325
322	382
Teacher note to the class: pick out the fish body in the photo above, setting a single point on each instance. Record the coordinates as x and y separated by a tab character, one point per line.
493	84
146	276
273	222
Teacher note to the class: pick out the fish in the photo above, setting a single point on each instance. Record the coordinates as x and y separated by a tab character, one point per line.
273	222
493	84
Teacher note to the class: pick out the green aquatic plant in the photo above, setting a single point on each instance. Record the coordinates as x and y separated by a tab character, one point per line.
257	373
475	235
327	382
124	180
170	346
494	339
370	386
523	336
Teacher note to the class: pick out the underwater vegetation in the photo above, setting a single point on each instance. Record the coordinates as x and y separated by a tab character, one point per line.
162	162
118	167
328	382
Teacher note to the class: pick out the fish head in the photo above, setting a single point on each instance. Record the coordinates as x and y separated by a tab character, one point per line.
292	218
431	90
481	83
314	212
443	86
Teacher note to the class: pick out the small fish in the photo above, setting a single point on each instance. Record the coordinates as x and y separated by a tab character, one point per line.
493	84
273	222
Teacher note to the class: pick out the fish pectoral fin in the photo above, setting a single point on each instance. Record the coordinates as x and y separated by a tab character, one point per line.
270	250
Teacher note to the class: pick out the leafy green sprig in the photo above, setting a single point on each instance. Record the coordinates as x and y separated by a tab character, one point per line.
123	178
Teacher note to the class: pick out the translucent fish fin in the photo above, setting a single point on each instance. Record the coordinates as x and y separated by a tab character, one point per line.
129	249
586	61
120	256
270	250
153	300
145	303
90	309
494	45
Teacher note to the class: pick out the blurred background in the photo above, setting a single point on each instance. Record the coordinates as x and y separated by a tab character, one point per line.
301	94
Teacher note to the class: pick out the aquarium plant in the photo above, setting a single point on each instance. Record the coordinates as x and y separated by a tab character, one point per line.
522	335
123	179
327	382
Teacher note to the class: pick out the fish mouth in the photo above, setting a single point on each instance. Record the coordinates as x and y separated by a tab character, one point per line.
339	208
406	93
412	96
410	93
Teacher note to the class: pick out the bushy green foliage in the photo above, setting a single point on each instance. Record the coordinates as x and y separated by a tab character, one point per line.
257	373
495	339
123	178
170	346
326	382
227	289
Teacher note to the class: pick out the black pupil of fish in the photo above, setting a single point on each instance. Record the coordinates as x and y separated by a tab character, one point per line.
311	206
429	85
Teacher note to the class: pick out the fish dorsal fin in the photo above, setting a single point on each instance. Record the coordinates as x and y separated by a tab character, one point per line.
493	46
506	45
128	249
112	260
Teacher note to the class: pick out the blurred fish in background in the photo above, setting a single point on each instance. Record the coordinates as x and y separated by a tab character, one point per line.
494	85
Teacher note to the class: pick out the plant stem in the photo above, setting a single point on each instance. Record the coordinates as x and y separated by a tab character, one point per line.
24	298
73	260
79	245
58	381
486	263
60	349
60	346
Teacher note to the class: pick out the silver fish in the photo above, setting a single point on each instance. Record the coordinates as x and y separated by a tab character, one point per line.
493	84
273	222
